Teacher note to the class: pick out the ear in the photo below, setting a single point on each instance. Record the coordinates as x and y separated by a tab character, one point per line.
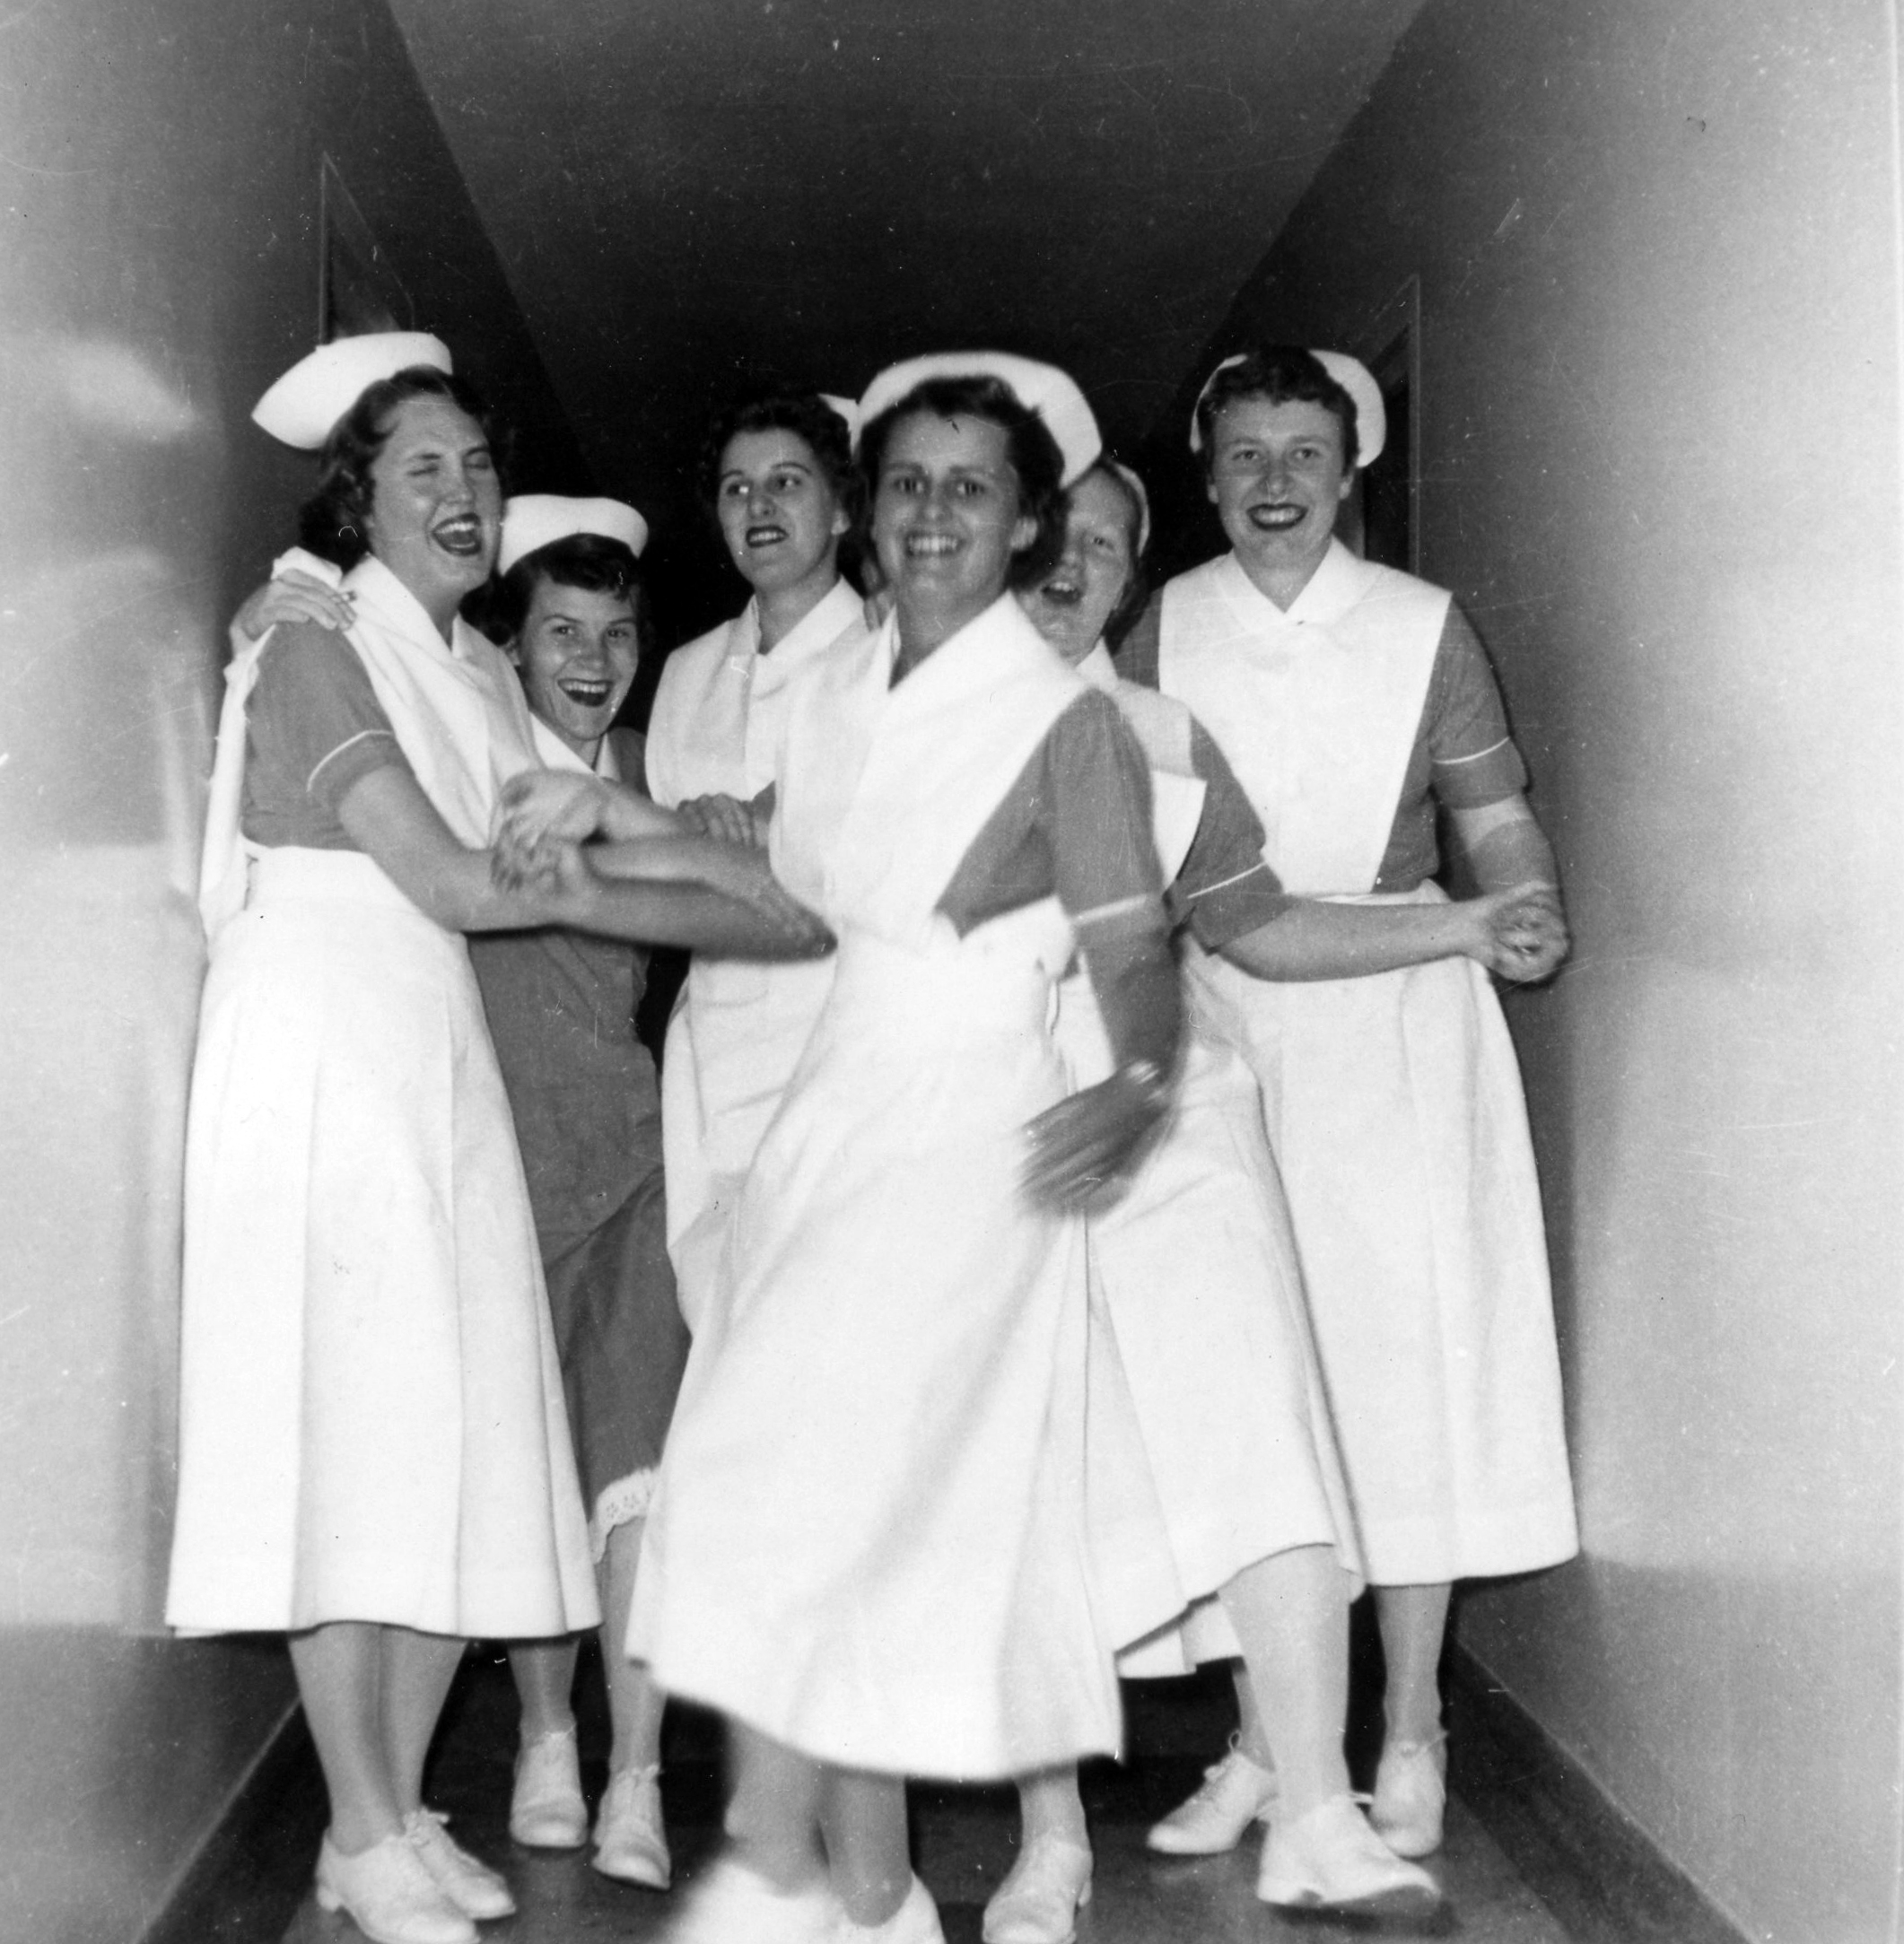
841	522
1348	484
1210	486
1024	532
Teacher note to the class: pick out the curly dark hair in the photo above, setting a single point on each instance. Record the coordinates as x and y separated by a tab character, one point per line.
333	523
808	416
1282	374
589	561
1032	451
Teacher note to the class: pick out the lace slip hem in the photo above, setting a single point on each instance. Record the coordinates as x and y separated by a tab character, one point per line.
627	1498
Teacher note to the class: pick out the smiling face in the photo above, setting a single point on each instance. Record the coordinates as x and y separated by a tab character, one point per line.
946	521
577	651
1278	478
1071	606
779	514
436	505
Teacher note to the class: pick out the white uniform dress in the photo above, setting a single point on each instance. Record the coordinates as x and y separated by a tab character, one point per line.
372	1421
869	1540
1393	1102
1195	1279
738	1031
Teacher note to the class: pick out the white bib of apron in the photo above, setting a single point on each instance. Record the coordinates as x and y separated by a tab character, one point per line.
1315	708
885	863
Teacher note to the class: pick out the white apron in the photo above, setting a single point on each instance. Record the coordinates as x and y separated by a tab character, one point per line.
1195	1287
372	1424
868	1538
738	1030
1393	1102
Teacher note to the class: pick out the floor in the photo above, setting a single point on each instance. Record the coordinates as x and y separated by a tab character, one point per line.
964	1840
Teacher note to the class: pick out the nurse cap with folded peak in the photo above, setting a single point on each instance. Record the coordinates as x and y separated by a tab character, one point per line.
532	521
305	403
1042	389
1354	377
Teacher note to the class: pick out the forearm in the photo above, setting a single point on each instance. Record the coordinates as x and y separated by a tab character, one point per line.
1313	939
664	856
680	913
459	893
1505	845
1134	977
630	817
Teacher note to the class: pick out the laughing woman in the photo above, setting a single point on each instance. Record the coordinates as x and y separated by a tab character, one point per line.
866	1547
373	1455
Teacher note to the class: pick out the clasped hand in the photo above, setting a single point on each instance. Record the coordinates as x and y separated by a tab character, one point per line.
1524	935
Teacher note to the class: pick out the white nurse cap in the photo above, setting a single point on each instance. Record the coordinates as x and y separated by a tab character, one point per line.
846	409
539	519
317	391
1354	377
1042	389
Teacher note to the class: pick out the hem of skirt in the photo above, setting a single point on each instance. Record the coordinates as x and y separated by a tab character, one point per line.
616	1504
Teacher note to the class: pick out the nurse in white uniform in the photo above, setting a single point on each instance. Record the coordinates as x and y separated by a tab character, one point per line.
868	1546
779	475
374	1454
1198	1301
1352	699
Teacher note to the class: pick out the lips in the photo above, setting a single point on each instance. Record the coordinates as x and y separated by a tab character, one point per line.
766	535
586	694
462	535
920	546
1062	593
1276	518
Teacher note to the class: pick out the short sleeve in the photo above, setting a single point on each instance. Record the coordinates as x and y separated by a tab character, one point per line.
1225	888
314	727
1098	809
1076	825
1471	753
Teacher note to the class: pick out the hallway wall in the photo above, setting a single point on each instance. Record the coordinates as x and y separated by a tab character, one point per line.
1660	456
160	173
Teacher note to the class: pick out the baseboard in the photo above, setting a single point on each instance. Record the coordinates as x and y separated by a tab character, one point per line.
254	1869
1602	1877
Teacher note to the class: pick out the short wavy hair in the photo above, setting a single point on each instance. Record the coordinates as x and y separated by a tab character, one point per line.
589	561
334	522
1280	374
1036	460
808	416
1137	588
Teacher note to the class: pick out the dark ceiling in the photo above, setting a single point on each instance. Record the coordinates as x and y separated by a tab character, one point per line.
686	192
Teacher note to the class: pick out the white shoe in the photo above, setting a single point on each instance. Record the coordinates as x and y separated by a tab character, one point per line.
915	1922
1234	1793
474	1887
546	1809
1412	1795
1332	1860
630	1842
389	1895
1038	1903
732	1905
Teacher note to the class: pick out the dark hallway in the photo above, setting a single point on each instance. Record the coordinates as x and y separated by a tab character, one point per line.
1637	269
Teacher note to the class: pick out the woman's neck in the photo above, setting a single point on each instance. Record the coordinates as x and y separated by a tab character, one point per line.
1278	581
925	628
784	609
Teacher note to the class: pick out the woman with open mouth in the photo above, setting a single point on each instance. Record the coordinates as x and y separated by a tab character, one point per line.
1195	1272
867	1548
1351	700
374	1455
778	473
